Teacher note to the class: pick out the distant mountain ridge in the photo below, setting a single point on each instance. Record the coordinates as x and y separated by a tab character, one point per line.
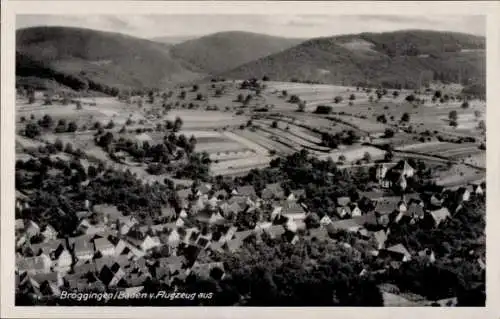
223	51
108	62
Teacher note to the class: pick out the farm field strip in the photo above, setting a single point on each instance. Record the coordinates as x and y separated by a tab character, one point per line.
201	134
219	147
280	138
288	136
240	163
421	146
243	140
266	143
239	171
231	155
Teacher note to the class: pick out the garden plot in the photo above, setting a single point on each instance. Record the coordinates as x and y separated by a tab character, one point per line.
289	137
193	119
443	149
230	166
476	159
220	147
224	156
248	143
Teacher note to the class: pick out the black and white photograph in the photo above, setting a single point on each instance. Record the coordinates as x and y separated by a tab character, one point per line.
249	160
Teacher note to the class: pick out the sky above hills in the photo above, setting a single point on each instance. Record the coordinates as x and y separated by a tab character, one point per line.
293	26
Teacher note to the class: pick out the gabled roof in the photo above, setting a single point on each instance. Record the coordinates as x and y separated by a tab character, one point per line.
343	210
102	244
184	193
380	237
168	211
440	214
299	192
273	191
343	201
83	244
385	207
32	263
399	249
345	224
288	207
275	230
48	247
110	210
247	190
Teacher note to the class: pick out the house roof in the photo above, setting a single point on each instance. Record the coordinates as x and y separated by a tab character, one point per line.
385	207
41	278
83	244
343	201
272	191
299	192
184	193
399	249
19	223
345	209
49	246
275	230
380	236
31	263
102	243
168	211
247	190
204	188
288	207
345	224
440	214
110	210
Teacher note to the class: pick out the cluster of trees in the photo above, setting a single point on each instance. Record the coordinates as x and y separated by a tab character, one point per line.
253	85
64	192
34	129
340	138
457	244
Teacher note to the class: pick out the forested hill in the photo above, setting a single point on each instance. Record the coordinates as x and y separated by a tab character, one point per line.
223	51
102	61
393	58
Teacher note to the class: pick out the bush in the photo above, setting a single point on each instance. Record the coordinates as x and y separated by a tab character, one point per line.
382	119
337	99
32	130
323	109
410	98
405	117
352	97
388	133
465	105
294	99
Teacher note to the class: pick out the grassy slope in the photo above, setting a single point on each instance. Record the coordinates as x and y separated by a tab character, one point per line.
226	50
329	60
109	58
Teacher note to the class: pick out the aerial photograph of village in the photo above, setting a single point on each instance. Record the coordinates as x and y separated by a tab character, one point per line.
250	161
